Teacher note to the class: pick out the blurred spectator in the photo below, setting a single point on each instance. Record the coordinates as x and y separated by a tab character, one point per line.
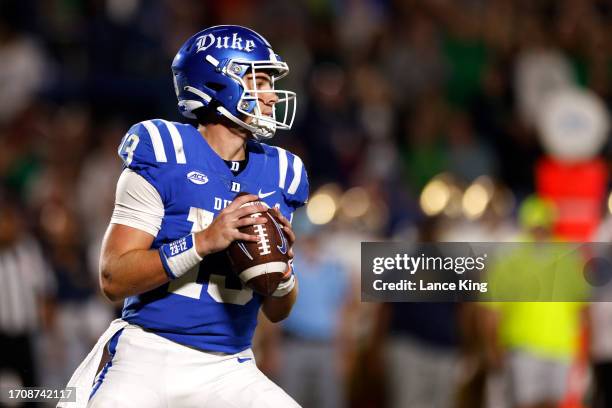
420	346
600	324
532	344
541	69
24	69
360	23
422	354
333	136
341	241
26	296
465	51
313	334
412	58
81	313
424	152
468	159
96	187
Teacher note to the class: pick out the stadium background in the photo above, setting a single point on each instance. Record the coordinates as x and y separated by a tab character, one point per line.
416	120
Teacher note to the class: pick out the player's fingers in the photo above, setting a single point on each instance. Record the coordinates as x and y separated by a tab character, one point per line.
289	233
239	201
286	225
279	215
248	210
240	236
276	212
245	221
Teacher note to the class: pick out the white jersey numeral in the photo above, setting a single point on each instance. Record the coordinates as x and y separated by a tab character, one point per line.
221	294
126	150
187	286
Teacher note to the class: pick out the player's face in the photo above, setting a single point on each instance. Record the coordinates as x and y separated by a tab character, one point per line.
261	81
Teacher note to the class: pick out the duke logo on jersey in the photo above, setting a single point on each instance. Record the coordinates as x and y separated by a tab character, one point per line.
207	308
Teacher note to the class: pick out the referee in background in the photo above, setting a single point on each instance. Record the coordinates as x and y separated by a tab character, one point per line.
25	295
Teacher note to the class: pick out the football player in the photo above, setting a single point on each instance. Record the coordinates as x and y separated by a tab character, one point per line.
184	339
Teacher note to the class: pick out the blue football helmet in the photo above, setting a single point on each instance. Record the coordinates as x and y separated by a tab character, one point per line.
210	69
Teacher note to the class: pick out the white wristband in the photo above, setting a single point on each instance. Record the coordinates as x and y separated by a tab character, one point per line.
284	288
178	257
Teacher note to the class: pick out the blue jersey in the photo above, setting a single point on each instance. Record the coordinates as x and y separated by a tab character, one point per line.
207	308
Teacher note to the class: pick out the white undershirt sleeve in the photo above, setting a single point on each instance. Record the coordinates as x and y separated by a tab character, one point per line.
137	203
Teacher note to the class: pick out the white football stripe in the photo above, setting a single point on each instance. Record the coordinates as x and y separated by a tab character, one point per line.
297	175
261	269
156	140
282	167
177	142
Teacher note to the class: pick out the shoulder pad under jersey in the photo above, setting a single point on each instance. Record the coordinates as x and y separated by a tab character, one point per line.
292	176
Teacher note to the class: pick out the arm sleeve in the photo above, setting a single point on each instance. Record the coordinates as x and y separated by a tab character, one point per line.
137	203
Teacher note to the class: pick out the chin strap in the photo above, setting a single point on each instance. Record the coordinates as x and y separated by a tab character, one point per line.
258	132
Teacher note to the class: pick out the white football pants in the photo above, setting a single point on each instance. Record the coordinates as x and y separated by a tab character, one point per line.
149	371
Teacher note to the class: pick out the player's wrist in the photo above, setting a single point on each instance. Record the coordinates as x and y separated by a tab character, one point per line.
202	243
287	284
180	256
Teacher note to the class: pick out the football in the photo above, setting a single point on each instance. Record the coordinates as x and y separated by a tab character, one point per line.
261	265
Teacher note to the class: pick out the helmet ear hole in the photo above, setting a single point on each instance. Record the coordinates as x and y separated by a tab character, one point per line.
207	114
215	86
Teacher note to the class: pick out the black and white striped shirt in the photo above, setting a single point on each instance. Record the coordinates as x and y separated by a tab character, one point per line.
25	279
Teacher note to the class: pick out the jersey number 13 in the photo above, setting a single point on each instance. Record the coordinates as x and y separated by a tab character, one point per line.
216	288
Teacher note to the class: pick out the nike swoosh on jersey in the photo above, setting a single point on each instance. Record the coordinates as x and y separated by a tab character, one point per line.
264	195
243	360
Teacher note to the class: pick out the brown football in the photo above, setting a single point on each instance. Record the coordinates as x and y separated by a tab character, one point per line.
261	265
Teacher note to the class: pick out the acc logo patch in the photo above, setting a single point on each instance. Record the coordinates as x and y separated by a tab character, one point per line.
197	178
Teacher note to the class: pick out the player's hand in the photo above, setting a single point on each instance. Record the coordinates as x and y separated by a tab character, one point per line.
224	228
286	225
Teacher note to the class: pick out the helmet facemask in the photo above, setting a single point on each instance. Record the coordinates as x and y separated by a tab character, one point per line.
262	126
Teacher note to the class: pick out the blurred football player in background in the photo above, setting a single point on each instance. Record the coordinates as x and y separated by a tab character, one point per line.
187	324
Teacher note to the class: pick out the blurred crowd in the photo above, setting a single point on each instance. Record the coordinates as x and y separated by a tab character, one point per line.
391	95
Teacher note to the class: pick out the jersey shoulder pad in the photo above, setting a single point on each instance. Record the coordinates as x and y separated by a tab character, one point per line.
152	144
292	176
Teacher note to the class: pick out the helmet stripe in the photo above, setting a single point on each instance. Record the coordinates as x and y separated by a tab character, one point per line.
212	60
